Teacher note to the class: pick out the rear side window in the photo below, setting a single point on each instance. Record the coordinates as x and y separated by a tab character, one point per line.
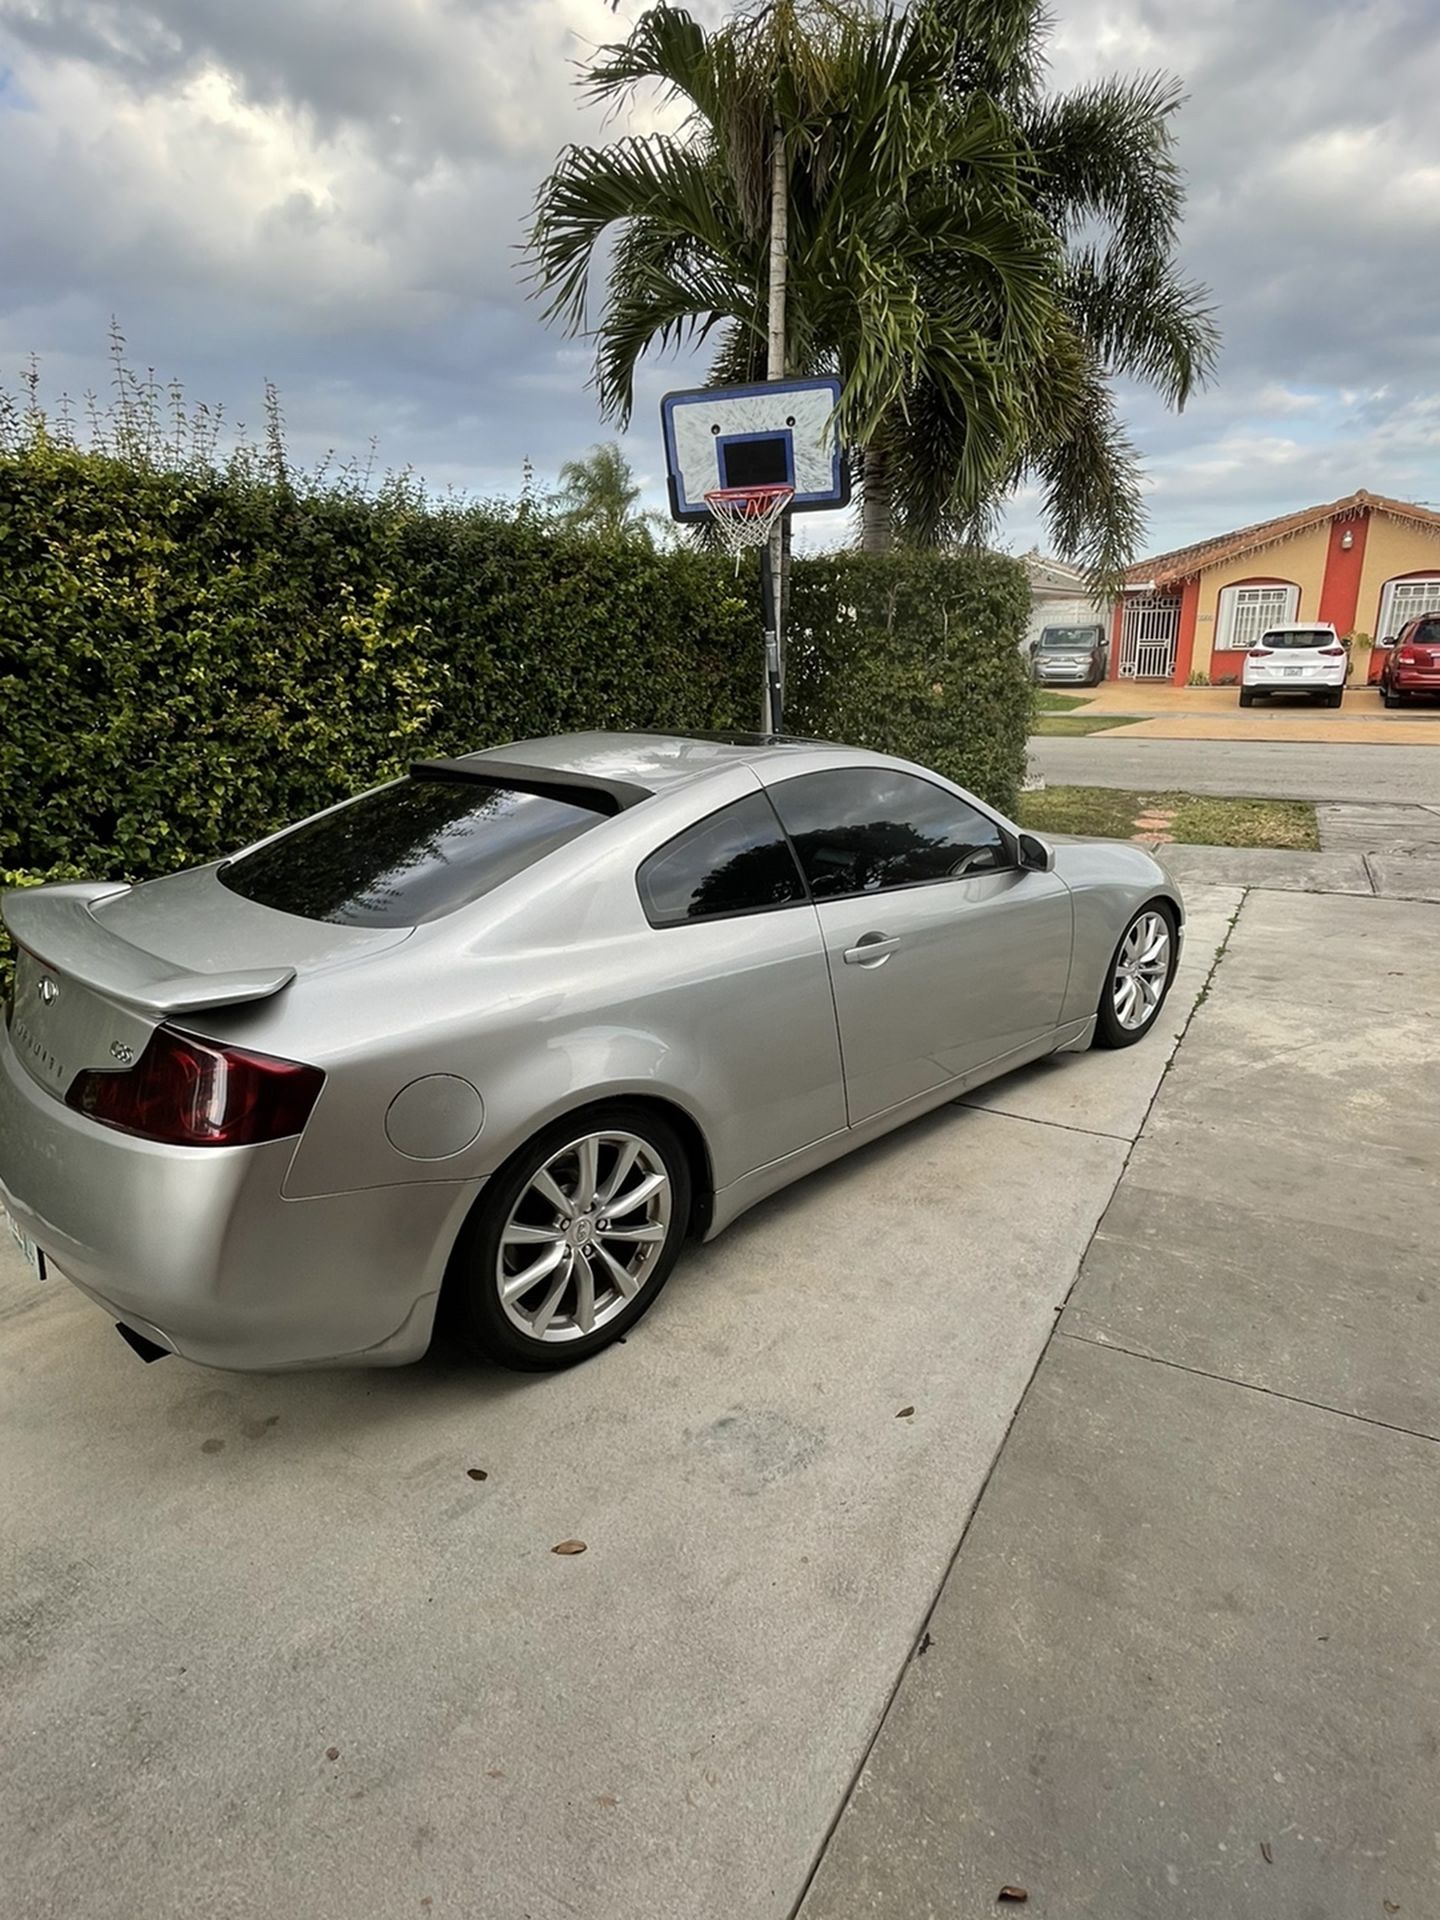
737	861
858	830
408	853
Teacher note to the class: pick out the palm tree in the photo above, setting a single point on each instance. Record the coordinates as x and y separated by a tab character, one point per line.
940	253
598	495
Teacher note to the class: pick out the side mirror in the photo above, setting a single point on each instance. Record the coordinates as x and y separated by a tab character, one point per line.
1035	856
1388	641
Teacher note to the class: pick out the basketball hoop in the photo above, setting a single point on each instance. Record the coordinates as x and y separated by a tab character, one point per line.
745	517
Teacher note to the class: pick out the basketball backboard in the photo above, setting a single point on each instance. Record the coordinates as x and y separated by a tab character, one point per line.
779	433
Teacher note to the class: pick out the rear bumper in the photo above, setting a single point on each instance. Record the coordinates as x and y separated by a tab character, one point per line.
196	1248
1271	681
1413	682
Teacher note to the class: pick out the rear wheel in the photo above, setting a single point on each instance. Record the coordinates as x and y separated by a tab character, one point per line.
1390	696
1138	977
572	1240
1247	696
1335	698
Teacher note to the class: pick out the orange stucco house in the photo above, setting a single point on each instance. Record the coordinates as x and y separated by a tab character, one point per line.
1365	563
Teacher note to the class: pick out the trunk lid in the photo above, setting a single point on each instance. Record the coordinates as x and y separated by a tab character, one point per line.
101	966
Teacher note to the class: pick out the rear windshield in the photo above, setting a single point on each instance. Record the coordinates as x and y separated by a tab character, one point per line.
1306	637
1427	634
1071	637
408	853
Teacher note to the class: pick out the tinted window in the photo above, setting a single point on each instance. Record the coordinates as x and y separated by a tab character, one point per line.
859	830
1426	634
407	853
1072	639
737	861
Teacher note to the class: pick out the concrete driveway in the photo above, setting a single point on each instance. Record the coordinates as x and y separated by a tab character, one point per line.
1187	1663
266	1646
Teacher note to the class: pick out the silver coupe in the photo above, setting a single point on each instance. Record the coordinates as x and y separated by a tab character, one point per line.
493	1040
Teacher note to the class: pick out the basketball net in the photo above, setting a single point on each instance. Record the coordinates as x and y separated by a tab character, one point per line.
745	517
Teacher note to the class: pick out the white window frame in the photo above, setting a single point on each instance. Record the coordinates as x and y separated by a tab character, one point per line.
1246	611
1426	589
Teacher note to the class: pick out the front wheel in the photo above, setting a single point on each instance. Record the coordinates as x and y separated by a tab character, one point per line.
572	1240
1138	977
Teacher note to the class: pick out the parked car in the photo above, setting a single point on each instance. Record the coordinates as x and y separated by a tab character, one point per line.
1069	656
1305	657
498	1037
1413	664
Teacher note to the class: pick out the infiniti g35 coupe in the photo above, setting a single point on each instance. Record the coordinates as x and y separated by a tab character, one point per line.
494	1039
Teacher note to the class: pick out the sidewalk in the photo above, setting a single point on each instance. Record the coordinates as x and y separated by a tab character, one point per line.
1165	712
1186	1664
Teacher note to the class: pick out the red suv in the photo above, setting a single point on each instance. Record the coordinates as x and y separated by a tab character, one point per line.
1414	662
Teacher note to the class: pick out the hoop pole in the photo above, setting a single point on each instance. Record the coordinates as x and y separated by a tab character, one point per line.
771	562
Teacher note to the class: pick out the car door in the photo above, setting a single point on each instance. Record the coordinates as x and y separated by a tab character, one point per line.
739	977
944	955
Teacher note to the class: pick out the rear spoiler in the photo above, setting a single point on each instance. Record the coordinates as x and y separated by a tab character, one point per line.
57	926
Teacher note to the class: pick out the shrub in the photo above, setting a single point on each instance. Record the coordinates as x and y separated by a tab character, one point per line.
916	654
192	656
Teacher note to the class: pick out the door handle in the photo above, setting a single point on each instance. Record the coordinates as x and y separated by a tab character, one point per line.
871	950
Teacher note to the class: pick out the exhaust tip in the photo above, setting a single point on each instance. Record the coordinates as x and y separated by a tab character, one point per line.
147	1349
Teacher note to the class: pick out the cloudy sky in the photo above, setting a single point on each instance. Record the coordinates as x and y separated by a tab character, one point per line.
331	196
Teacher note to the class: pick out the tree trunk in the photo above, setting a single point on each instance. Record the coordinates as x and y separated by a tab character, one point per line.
877	525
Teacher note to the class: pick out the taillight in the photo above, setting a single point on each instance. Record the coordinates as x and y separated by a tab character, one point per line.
1260	653
1333	653
1407	657
185	1092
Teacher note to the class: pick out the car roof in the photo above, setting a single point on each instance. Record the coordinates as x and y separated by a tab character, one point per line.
654	761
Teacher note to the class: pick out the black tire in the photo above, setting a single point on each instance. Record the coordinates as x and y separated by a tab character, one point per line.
1390	697
471	1301
1247	696
1335	699
1108	1030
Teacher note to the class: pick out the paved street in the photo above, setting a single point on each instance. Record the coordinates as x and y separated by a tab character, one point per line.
1276	771
265	1648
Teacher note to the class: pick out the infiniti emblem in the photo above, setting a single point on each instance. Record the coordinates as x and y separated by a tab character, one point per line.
49	992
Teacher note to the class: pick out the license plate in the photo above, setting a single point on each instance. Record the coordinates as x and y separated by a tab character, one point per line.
1292	673
29	1252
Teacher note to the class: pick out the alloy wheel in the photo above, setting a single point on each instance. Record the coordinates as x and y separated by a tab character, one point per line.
584	1237
1142	968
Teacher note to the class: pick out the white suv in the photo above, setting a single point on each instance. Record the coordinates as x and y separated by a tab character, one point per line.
1303	657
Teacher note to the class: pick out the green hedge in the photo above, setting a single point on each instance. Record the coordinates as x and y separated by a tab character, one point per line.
916	654
189	659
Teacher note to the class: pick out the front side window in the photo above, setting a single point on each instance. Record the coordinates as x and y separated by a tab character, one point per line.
736	861
407	853
859	830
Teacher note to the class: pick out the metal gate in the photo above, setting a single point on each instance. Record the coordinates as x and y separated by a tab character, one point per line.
1149	623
